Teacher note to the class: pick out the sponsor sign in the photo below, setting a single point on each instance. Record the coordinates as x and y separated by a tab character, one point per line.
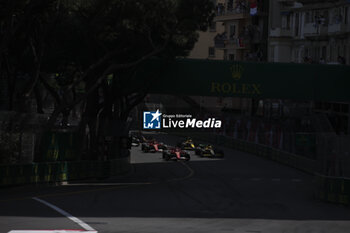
152	120
157	120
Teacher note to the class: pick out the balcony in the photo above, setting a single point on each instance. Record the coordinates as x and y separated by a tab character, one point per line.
231	15
222	42
323	30
311	29
279	32
236	11
238	43
314	1
286	3
338	28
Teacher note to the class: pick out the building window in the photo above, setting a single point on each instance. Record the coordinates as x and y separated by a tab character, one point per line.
286	22
307	17
321	18
317	53
346	17
211	52
310	17
324	52
331	55
296	24
232	31
284	19
272	54
230	5
337	17
231	57
326	17
346	56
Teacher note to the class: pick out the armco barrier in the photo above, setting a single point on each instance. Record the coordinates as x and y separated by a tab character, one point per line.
61	171
330	189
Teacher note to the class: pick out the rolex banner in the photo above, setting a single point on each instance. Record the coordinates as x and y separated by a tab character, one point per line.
237	79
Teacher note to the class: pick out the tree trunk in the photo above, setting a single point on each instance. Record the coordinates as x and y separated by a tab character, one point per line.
39	100
91	112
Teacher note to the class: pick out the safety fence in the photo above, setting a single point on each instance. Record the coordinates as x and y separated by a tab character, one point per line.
287	158
297	136
333	189
19	174
330	189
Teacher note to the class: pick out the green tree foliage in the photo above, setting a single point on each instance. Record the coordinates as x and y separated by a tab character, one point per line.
25	29
83	42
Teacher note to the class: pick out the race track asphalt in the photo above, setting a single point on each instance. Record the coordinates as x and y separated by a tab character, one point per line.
241	193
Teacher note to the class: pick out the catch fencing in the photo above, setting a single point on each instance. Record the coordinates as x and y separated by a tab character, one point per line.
327	188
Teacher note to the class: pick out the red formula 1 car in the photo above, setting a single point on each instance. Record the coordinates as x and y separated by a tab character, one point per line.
153	146
176	154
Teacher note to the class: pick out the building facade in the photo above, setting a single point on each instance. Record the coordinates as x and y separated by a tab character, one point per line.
316	32
246	27
239	33
309	31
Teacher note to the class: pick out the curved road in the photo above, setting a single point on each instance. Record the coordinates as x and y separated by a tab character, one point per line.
241	193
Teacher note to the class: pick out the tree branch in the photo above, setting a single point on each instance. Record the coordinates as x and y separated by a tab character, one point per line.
51	90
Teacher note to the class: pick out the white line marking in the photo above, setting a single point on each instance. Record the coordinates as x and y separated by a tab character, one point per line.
105	184
51	231
64	213
190	174
255	179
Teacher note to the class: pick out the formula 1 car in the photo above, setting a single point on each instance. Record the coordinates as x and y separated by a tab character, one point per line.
140	137
153	146
187	145
176	154
137	138
135	141
208	151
